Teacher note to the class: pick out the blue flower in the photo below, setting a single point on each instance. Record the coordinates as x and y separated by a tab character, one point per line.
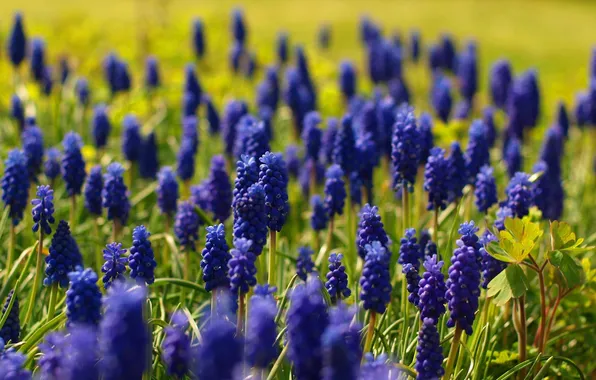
436	179
199	45
17	111
83	298
251	138
100	126
467	75
214	263
186	226
32	138
501	79
51	166
233	112
52	360
191	83
63	257
152	77
261	333
328	141
442	99
337	279
212	115
410	255
176	349
114	265
238	26
219	187
167	190
273	176
520	195
344	151
17	41
429	358
463	284
82	91
370	229
73	165
375	281
415	45
185	167
335	191
491	267
281	47
15	185
304	263
306	321
293	161
379	368
37	59
488	118
341	345
142	259
319	218
406	149
485	189
131	138
124	337
347	79
431	290
80	354
477	152
148	161
250	218
115	194
43	209
92	192
512	156
220	351
457	172
312	135
11	331
241	267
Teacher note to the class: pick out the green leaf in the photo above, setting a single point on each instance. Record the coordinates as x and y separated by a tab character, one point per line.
179	282
518	239
4	221
204	217
571	270
510	283
495	250
563	239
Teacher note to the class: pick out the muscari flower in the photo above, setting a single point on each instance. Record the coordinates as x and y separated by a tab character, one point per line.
485	189
273	176
335	191
548	191
467	73
415	45
186	226
435	58
370	229
198	38
375	282
312	135
142	259
436	179
238	26
405	153
32	139
501	80
337	279
410	255
38	59
512	156
220	188
562	118
293	161
341	345
62	258
431	290
328	140
425	126
185	167
457	172
477	151
491	267
251	138
304	263
152	77
520	195
131	138
52	349
191	83
442	99
261	333
241	267
281	47
115	194
114	265
73	165
344	151
17	41
306	321
92	192
250	217
212	115
82	91
448	52
83	298
17	111
167	190
247	174
220	351
377	368
11	330
233	112
319	217
488	118
43	209
429	358
176	347
124	336
215	258
100	126
190	132
79	354
148	161
347	79
463	284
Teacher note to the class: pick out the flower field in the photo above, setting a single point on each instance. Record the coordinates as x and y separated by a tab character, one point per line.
297	190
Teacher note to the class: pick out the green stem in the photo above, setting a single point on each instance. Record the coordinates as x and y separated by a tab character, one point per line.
370	331
322	256
313	179
405	197
37	279
166	249
213	302
453	352
73	210
522	333
436	226
240	312
351	233
404	307
272	255
53	297
542	327
278	363
470	204
98	252
115	230
131	175
11	243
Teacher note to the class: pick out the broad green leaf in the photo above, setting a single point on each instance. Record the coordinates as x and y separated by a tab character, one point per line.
516	241
510	283
495	250
571	270
563	239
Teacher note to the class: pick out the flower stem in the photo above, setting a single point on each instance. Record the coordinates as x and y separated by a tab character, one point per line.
272	254
73	210
278	363
351	233
405	197
453	352
53	296
436	227
98	253
313	180
37	279
213	302
240	324
166	249
522	331
115	230
370	331
10	254
322	256
542	327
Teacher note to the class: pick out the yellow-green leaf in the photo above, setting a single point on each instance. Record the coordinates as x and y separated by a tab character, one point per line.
510	283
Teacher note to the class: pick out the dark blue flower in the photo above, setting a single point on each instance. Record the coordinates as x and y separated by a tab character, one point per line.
214	263
189	105
328	141
312	135
425	126
148	161
462	110
83	298
52	359
212	115
337	279
370	229
131	138
457	172
463	284
124	337
306	321
100	126
415	45
344	151
512	156
251	138
247	174
62	258
43	209
405	153
11	330
477	152
431	290
17	111
142	259
186	226
429	358
241	267
199	195
379	368
335	191
548	191
167	190
485	189
448	53
341	345
501	79
273	176
233	112
37	59
115	194
238	26
435	58
190	132
114	265
562	118
410	256
152	76
442	99
375	281
92	192
185	166
319	217
82	91
467	75
582	109
32	139
220	189
436	179
17	41
347	79
80	354
293	161
220	351
281	48
191	83
304	263
236	56
176	349
261	332
520	195
199	45
250	217
491	267
488	119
